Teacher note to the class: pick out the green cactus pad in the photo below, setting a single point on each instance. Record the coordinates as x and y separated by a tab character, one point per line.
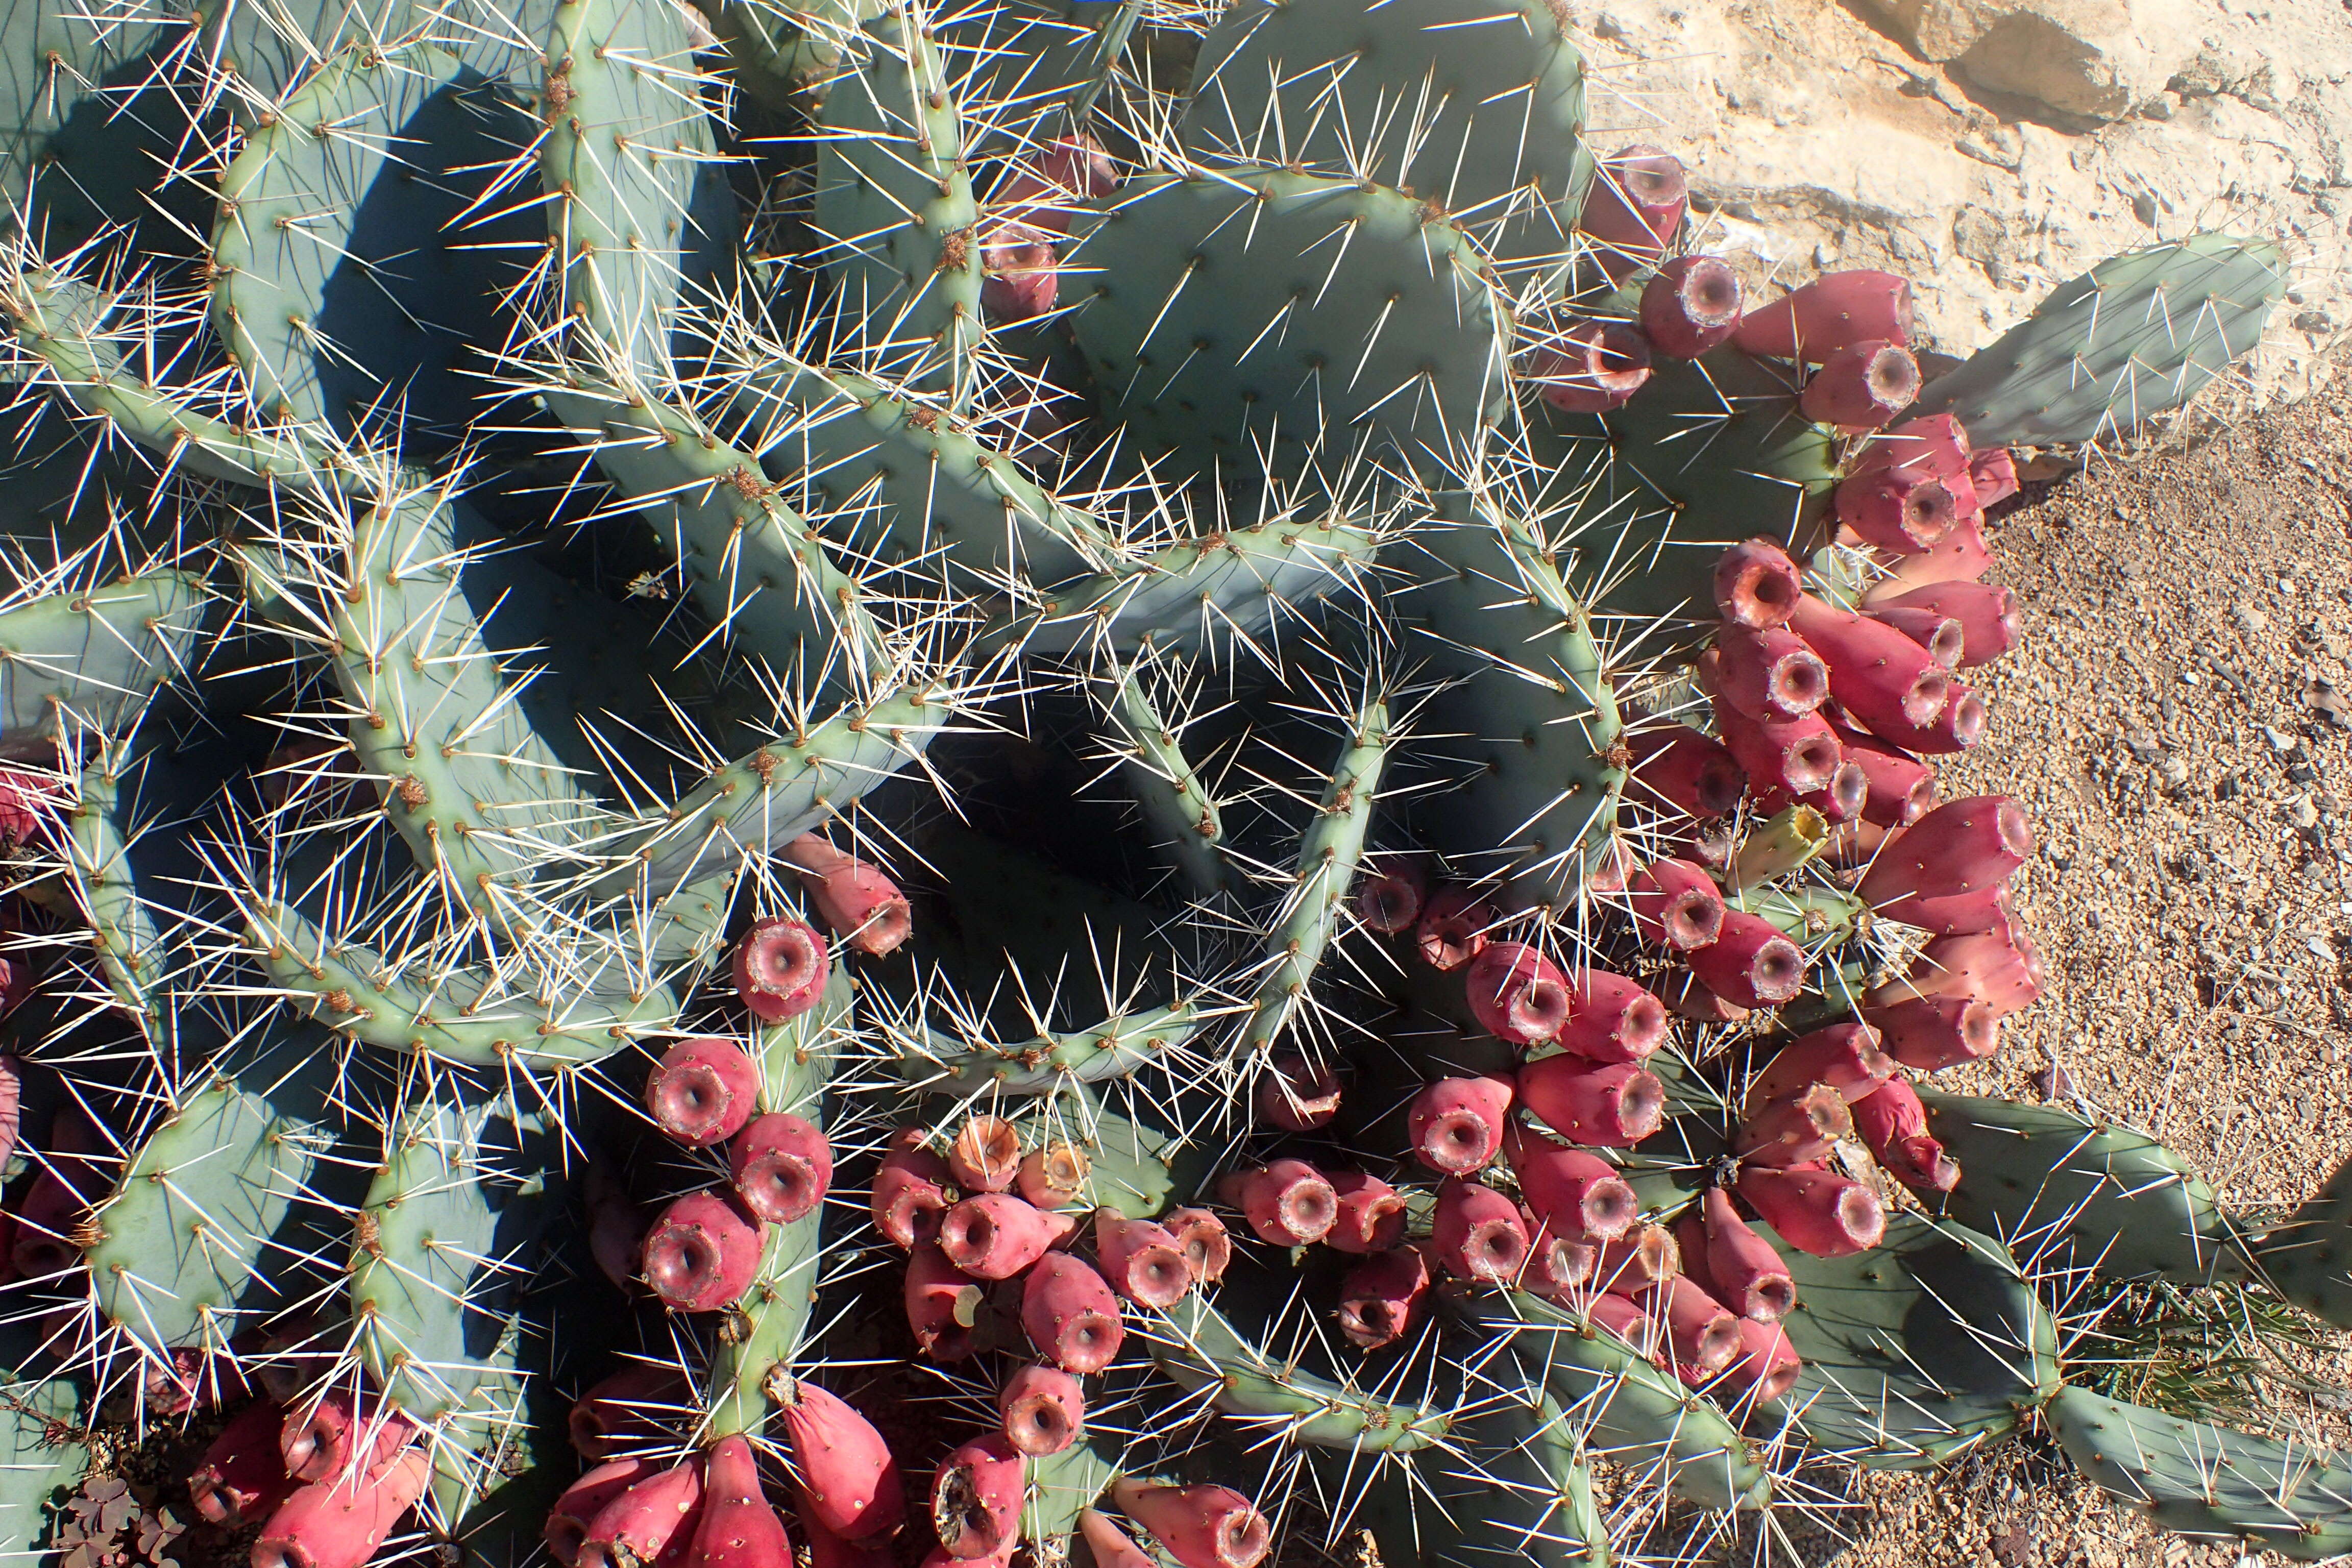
2307	1256
93	658
1925	1348
1178	806
41	1451
1062	1486
1198	1348
2207	1481
1516	1487
785	55
2083	1194
1816	917
1263	306
2138	335
86	133
127	937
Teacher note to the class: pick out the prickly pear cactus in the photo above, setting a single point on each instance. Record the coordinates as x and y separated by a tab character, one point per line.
1029	775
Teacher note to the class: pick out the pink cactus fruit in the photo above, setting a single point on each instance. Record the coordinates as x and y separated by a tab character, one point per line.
27	800
1796	1129
911	1190
2001	967
1043	1410
1140	1258
1676	905
1372	1215
1288	1202
781	1167
985	1156
1633	209
1902	510
943	1304
242	1477
1795	755
1702	1337
1020	279
339	1523
1645	1256
1931	1033
1557	1268
826	1550
1901	789
1390	896
618	1224
76	1170
1692	305
1208	1250
737	1527
1957	914
1611	1018
1054	1175
1453	927
1744	1271
1455	1124
976	1497
1963	846
1862	386
849	1482
1690	773
1893	1124
1619	1315
1815	1211
1934	446
1846	1056
995	1235
332	1437
1070	1315
568	1520
1577	1195
1751	964
1835	310
858	904
1686	997
648	1517
627	1408
11	1089
1768	1365
1879	676
702	1252
1770	673
1962	555
1958	726
1297	1095
1944	638
1987	616
1756	584
1610	1107
1593	368
1518	993
1380	1295
1477	1232
1112	1547
1994	473
779	969
703	1091
1201	1527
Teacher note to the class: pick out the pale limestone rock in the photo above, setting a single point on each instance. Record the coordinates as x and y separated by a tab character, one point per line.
2101	59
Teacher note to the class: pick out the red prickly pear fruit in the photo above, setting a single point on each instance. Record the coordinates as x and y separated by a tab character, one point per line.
1297	1095
624	1410
943	1304
1929	1033
1141	1260
1111	1545
1901	788
1815	1211
1692	772
1906	513
1702	1336
940	1557
1372	1216
1557	1268
1756	584
779	969
1959	726
1070	1314
341	1523
911	1190
1877	675
1960	556
1610	865
26	801
1054	1175
1477	1232
1934	446
1452	930
1381	1296
1795	1131
857	903
1941	636
1846	1056
781	1167
1751	964
1208	1250
79	1169
1287	1203
1676	905
703	1091
702	1252
1686	997
1795	755
1960	846
1993	472
1577	1195
1956	914
1612	1019
1633	208
568	1519
648	1516
618	1224
1767	1366
986	1155
1861	387
827	1550
737	1527
1893	1124
1643	1257
1770	673
1021	281
1611	1107
1201	1527
995	1235
1597	366
1455	1124
1043	1410
1073	169
849	1482
1693	305
1619	1315
1392	895
2001	967
1835	310
1518	993
11	1072
242	1476
1986	613
976	1497
1743	1270
331	1437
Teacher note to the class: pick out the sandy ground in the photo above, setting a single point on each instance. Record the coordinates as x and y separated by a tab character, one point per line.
2178	722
